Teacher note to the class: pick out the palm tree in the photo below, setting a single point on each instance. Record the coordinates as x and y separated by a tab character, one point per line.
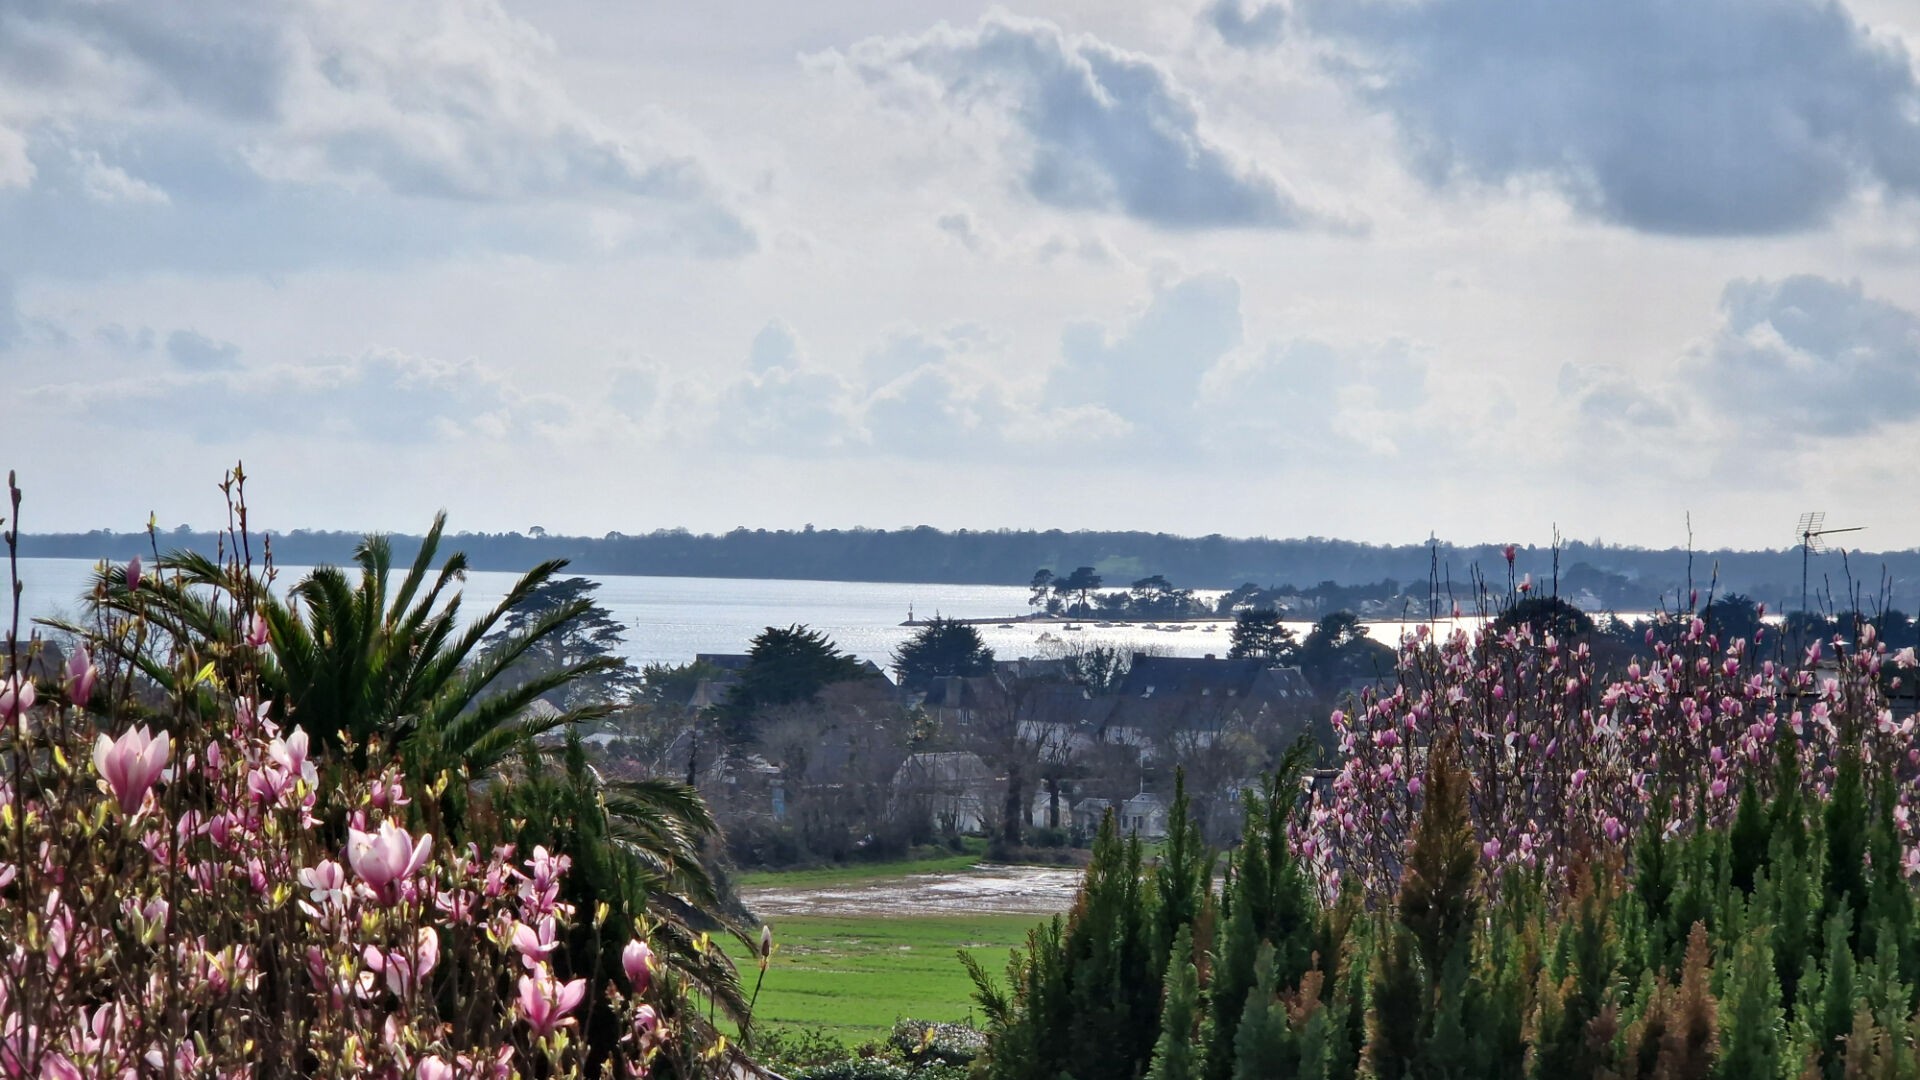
355	662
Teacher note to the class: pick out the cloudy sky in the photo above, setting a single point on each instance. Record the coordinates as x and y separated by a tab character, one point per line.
1358	268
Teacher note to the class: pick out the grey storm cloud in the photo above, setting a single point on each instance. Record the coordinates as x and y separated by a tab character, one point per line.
197	352
1149	372
1812	356
1706	117
1098	128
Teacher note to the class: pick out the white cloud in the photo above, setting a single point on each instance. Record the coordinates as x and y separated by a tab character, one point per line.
16	168
1090	126
1708	117
1309	399
784	404
382	397
1149	372
106	183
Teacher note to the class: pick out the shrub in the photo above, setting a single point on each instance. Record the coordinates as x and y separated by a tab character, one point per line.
1564	762
1768	932
191	886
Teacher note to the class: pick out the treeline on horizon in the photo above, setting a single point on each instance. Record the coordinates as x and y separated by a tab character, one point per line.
1619	577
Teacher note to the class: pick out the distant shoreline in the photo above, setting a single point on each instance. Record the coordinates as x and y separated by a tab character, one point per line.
1618	578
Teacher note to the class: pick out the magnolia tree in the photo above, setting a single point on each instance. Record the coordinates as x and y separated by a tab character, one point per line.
179	897
1563	761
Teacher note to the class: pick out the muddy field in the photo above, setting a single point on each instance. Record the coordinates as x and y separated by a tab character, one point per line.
984	890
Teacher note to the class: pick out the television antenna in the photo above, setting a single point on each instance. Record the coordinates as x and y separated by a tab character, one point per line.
1810	533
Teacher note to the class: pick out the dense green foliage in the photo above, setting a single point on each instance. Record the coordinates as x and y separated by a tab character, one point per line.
941	648
785	666
1781	946
1258	633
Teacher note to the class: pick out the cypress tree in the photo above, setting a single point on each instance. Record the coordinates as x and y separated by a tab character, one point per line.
1290	908
1836	1013
1114	1002
1750	838
1890	907
1234	973
1173	1055
1843	879
1751	1029
1397	1021
1348	1025
1180	877
1263	1042
1436	889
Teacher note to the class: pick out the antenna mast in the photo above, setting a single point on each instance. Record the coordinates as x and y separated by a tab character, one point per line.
1808	533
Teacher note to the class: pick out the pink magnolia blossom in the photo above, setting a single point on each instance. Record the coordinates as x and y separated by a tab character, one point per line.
327	882
534	943
255	631
646	1024
387	854
81	675
406	969
133	573
290	754
16	696
544	1002
637	960
131	764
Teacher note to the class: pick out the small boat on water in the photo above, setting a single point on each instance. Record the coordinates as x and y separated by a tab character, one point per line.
1102	625
1150	626
1006	626
1209	629
1073	626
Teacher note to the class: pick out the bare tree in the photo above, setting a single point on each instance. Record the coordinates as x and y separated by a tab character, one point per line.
1016	725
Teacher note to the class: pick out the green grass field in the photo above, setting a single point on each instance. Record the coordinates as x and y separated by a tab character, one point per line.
941	863
853	977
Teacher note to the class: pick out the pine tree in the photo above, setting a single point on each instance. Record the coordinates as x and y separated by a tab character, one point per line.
1173	1055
